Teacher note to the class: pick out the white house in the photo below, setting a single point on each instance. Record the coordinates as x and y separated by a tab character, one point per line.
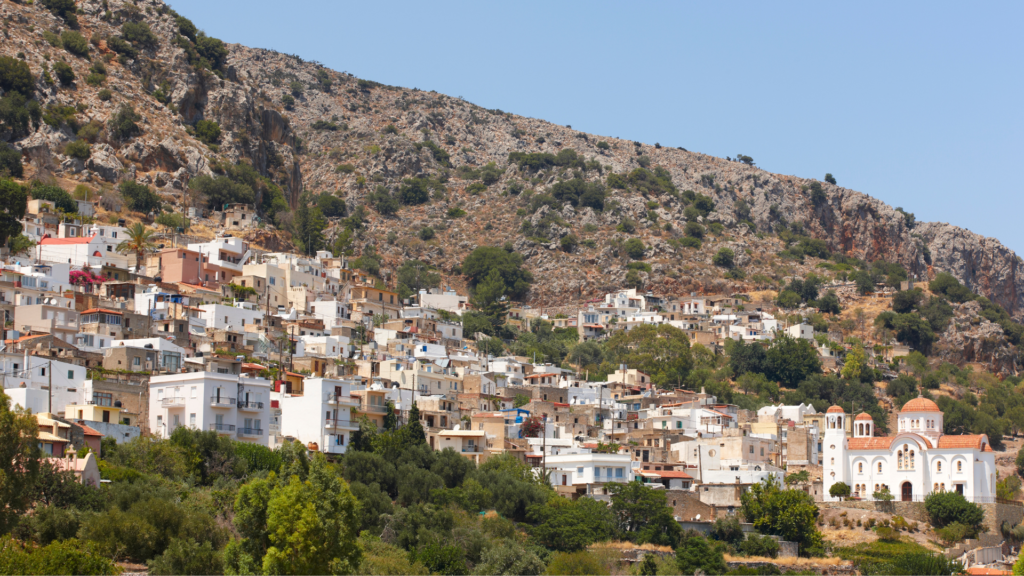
229	404
581	467
805	331
25	380
917	461
331	312
320	414
221	317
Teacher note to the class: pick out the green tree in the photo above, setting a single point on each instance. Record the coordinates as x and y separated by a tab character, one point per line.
14	199
19	462
745	357
643	514
481	261
16	76
489	298
948	507
790	514
312	525
219	191
567	526
724	257
414	275
139	242
855	363
829	303
208	131
662	352
791	360
308	229
865	284
331	206
509	558
414	433
634	248
906	300
123	124
839	490
138	197
186	556
60	198
698	553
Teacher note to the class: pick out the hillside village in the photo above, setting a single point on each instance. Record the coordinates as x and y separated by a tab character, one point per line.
265	317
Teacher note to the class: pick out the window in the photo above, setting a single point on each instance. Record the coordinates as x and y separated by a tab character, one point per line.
193	391
71	374
833	463
192	420
103	398
938	466
860	468
879	467
618	473
959	465
579	471
42	372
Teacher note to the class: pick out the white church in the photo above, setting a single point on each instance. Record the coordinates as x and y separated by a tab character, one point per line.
917	461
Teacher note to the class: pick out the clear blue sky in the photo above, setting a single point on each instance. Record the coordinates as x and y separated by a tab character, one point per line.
917	104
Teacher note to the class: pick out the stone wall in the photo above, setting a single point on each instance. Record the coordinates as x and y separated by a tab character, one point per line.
912	511
995	514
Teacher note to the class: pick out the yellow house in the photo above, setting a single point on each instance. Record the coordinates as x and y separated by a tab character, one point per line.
93	413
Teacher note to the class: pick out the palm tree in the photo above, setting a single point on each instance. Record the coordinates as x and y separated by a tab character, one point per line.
138	242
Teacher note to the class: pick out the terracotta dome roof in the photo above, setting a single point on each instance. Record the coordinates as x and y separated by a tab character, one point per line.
863	416
920	405
834	410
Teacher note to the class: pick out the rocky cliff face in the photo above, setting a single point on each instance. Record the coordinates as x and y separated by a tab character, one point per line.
338	121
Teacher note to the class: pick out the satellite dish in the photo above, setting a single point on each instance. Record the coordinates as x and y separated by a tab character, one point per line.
698	516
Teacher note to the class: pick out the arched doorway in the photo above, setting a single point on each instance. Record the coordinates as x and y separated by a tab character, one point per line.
907	492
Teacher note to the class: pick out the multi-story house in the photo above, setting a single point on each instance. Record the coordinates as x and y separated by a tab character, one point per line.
321	416
228	404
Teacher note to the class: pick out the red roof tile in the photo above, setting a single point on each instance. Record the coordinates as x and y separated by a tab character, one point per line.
920	405
964	441
66	241
834	410
89	431
104	310
673	474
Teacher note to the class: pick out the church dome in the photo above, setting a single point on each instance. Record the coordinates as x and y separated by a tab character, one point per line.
834	410
920	405
863	416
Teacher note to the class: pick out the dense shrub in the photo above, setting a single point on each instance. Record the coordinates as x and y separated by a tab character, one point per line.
74	43
634	248
78	149
16	76
10	162
105	95
60	198
139	34
208	131
123	124
949	507
138	197
382	201
724	258
690	242
119	45
65	74
426	233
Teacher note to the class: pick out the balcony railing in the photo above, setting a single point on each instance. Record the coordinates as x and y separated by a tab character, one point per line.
223	427
375	408
250	431
221	402
173	401
249	405
335	423
472	449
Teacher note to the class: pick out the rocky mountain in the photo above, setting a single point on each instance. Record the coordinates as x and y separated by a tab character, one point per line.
311	130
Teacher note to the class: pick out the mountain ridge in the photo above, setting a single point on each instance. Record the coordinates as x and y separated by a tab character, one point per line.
381	131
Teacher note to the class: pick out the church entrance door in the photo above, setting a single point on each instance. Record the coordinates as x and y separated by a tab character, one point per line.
908	492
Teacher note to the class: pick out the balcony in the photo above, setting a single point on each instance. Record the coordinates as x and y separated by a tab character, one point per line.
376	409
222	427
248	406
335	398
173	402
221	402
250	432
472	449
332	423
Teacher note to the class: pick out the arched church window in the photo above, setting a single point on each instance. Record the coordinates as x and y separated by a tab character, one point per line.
833	462
942	487
938	466
860	468
935	487
911	465
959	465
899	460
879	467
